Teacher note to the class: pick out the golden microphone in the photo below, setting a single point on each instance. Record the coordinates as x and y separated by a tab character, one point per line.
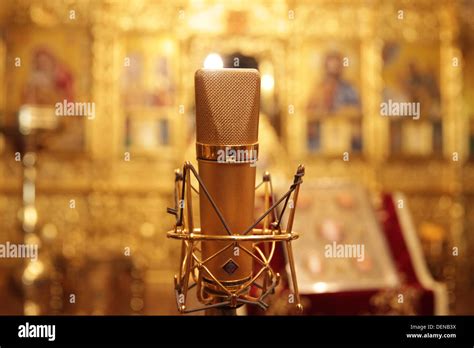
227	260
227	111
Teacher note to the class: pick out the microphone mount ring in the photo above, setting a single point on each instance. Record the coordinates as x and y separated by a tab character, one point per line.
194	269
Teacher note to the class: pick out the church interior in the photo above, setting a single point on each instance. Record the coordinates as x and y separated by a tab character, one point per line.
97	110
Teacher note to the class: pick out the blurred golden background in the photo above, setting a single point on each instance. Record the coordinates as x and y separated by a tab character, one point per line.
93	191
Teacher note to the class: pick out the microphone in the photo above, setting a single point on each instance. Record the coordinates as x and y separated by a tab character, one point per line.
227	260
227	111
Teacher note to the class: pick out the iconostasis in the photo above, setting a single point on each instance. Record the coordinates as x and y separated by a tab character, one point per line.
326	67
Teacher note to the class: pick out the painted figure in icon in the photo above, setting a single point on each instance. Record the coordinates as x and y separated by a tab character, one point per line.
49	81
334	94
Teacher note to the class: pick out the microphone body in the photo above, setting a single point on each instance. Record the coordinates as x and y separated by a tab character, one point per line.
227	111
218	259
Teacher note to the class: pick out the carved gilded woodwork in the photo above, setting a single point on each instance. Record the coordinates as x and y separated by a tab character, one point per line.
122	202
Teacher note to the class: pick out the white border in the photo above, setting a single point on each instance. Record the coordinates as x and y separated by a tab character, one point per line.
416	256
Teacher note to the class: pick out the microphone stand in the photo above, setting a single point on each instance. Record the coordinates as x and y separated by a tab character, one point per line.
192	264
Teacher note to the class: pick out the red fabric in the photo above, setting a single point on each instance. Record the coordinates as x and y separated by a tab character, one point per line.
395	240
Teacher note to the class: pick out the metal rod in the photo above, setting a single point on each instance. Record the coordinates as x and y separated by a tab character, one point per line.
190	167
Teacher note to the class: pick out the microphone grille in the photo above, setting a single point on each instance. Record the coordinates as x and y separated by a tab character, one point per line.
227	106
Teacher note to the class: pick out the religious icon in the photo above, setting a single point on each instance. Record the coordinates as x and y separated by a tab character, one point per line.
132	89
164	87
406	81
148	93
337	95
51	81
334	106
